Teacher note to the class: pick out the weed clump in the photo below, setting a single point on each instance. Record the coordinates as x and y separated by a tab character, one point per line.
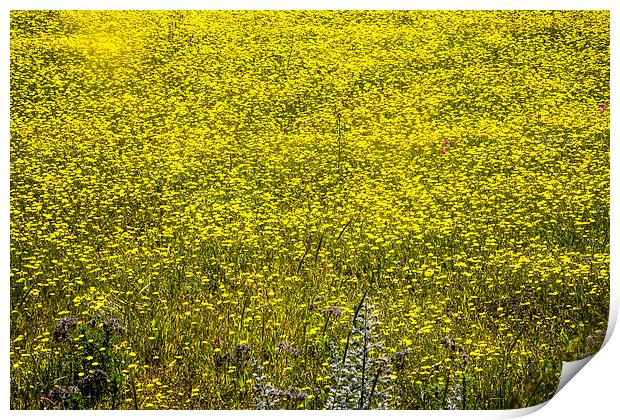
89	366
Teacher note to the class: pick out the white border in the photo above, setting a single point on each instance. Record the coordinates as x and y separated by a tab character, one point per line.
592	394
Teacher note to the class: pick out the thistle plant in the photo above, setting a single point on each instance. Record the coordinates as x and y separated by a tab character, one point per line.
265	393
361	378
455	395
269	397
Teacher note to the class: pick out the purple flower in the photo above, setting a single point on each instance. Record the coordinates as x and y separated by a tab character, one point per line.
64	328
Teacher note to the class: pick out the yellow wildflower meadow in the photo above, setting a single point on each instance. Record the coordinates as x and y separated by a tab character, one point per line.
306	209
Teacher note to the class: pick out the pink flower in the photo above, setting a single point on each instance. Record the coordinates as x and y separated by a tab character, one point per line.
443	150
446	142
602	108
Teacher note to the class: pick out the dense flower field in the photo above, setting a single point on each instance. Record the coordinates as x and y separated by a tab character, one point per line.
405	210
